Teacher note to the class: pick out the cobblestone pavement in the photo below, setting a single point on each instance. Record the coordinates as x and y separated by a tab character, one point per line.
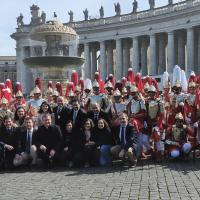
170	180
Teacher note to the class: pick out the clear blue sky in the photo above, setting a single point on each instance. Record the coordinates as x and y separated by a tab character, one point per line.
10	9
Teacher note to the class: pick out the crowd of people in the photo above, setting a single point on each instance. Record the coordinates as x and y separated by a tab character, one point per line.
94	123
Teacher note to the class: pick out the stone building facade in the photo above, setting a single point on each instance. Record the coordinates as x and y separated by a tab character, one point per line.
151	41
8	68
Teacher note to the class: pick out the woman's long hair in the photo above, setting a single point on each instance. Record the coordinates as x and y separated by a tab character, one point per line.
91	123
106	126
16	117
49	108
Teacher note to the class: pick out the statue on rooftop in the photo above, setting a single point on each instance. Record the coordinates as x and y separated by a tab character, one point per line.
152	4
55	15
85	12
71	16
20	20
35	15
170	2
117	9
101	12
135	6
43	17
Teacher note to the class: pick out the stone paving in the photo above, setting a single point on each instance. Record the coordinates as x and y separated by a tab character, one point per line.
170	180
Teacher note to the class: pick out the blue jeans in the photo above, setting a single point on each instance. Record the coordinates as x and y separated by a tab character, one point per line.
105	156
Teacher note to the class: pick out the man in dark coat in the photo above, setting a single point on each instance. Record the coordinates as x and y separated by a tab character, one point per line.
61	113
8	141
77	115
96	113
127	144
26	150
48	141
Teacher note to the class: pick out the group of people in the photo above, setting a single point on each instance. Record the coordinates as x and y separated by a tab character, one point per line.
94	123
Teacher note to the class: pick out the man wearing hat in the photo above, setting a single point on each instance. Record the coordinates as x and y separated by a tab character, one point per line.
190	104
137	113
96	97
109	93
19	101
4	109
116	107
177	103
36	102
154	120
177	138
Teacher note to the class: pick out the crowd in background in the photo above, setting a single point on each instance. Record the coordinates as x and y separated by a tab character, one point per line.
96	121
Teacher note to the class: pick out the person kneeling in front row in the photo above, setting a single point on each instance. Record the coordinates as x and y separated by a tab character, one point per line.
26	150
127	144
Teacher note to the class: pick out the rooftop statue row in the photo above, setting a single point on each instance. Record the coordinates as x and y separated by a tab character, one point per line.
117	8
38	18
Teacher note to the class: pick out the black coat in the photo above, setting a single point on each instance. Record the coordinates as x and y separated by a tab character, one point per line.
22	139
130	134
74	140
62	117
102	115
50	137
80	118
8	138
102	137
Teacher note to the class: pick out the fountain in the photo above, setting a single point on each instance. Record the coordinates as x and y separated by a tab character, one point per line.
53	65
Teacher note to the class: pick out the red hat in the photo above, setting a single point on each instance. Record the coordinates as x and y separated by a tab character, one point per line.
8	85
6	95
70	87
130	75
97	76
123	81
138	81
50	84
74	77
59	88
111	78
2	86
18	87
38	83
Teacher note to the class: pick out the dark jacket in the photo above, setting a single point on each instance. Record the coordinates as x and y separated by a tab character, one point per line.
22	139
6	137
102	115
80	118
102	137
62	117
130	135
50	137
74	140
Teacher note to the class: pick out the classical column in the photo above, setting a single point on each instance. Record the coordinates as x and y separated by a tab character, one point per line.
126	57
135	55
144	57
198	51
44	50
103	67
119	61
190	49
110	58
20	67
94	59
152	62
170	52
181	50
162	54
87	65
